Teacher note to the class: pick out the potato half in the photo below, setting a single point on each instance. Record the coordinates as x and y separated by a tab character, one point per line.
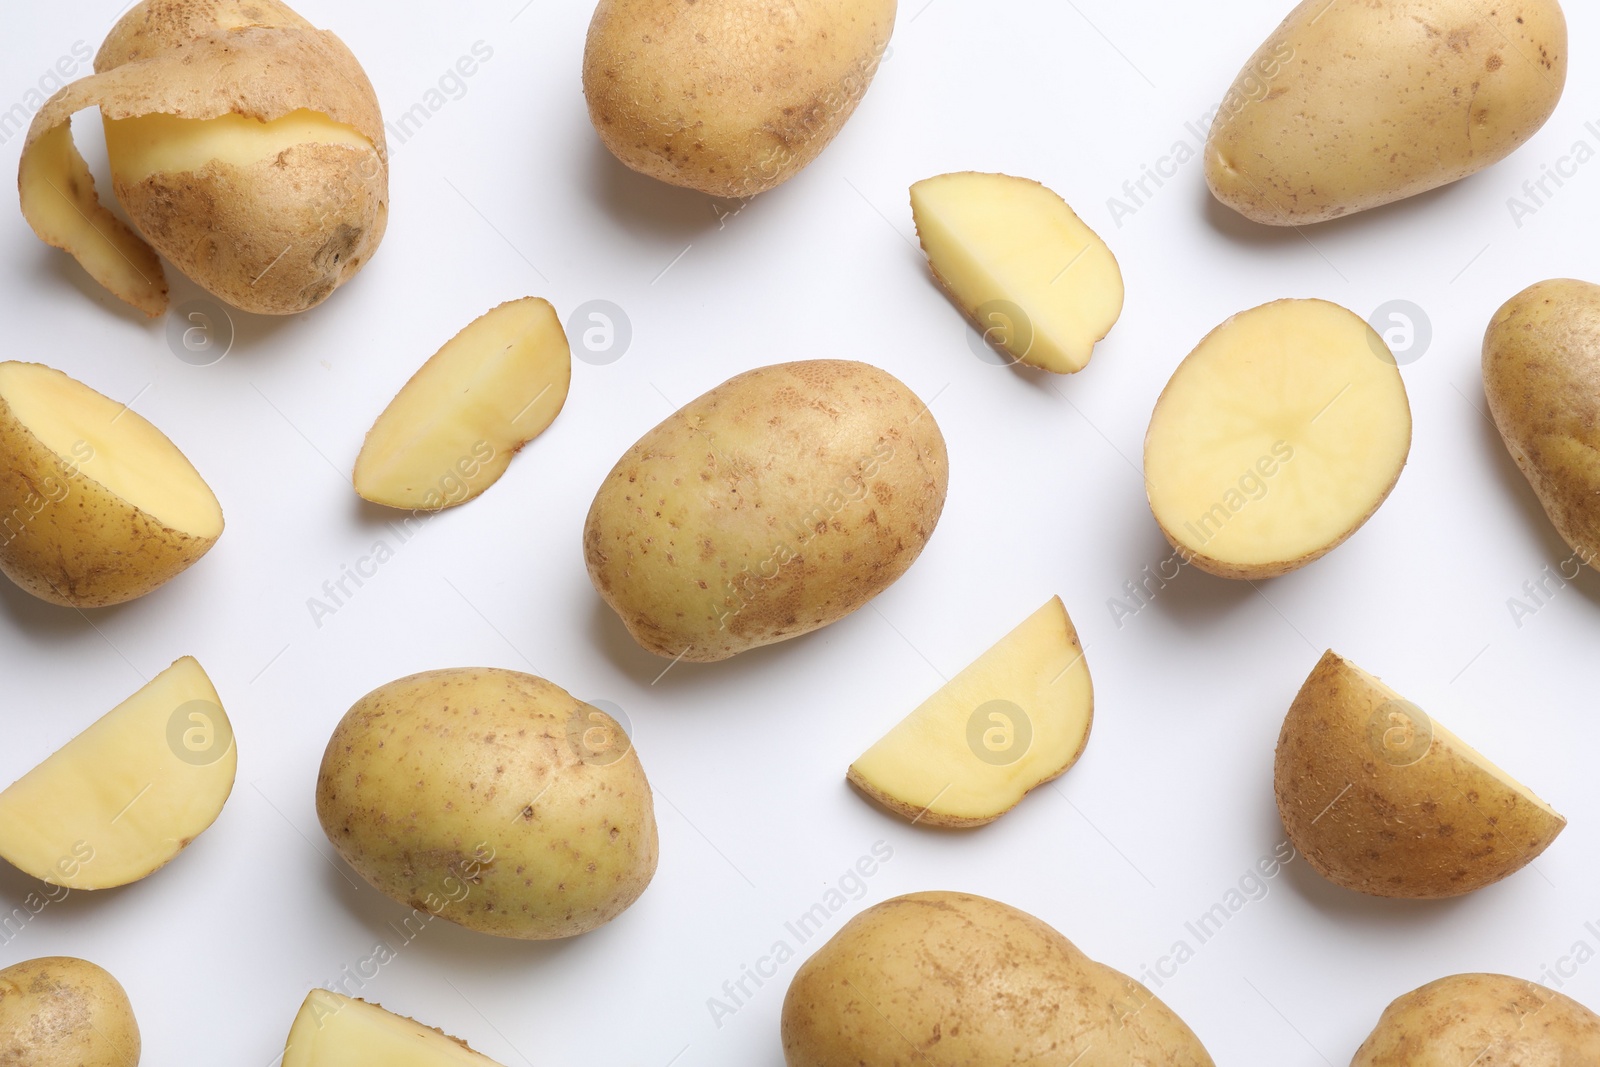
63	1012
1276	439
97	507
123	798
338	1031
245	145
451	432
1382	799
949	978
479	796
731	97
1016	717
1482	1020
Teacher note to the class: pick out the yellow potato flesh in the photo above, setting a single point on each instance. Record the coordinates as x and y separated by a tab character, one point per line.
118	802
1017	717
1276	439
130	457
167	144
993	238
453	429
337	1031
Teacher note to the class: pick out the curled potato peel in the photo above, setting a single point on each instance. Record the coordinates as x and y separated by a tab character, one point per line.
251	155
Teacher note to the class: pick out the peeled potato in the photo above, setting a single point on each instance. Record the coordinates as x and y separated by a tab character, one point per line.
1381	799
65	1012
453	429
338	1031
1276	439
1018	261
1017	717
97	507
123	798
245	145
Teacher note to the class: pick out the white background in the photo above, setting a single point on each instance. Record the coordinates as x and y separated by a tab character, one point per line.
507	192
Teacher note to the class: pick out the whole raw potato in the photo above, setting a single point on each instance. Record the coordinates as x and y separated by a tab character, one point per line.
730	97
492	799
1541	373
948	978
1348	106
65	1012
1483	1020
777	503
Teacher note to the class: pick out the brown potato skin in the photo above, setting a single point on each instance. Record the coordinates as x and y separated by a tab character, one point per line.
950	978
63	1012
1485	1020
1439	827
1381	100
729	97
718	531
1541	375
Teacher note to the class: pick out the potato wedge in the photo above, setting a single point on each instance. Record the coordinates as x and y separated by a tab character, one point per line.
1015	718
451	432
124	797
332	1030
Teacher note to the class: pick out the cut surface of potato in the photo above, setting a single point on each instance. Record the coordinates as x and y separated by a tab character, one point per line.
1276	439
1017	717
97	507
338	1031
168	144
124	797
451	432
1012	255
1384	800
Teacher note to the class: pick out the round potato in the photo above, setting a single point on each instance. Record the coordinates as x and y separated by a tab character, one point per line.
492	799
777	503
1482	1020
63	1012
950	978
730	97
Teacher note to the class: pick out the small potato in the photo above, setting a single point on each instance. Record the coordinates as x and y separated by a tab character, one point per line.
1483	1020
779	502
492	799
731	97
64	1012
1348	106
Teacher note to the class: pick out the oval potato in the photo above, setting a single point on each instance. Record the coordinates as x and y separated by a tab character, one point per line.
1485	1020
63	1012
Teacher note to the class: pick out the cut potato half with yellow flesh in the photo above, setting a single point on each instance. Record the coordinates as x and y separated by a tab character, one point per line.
124	797
1038	282
1017	717
338	1031
1383	800
97	507
453	429
1276	439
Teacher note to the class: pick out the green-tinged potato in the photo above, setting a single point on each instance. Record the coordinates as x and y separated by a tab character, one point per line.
730	97
492	799
97	507
1541	373
1348	106
1483	1020
64	1012
245	145
777	503
948	978
1382	799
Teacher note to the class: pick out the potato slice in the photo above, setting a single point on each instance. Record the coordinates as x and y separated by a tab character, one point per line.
1383	800
338	1031
1017	717
1276	439
97	507
124	797
1019	261
453	429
